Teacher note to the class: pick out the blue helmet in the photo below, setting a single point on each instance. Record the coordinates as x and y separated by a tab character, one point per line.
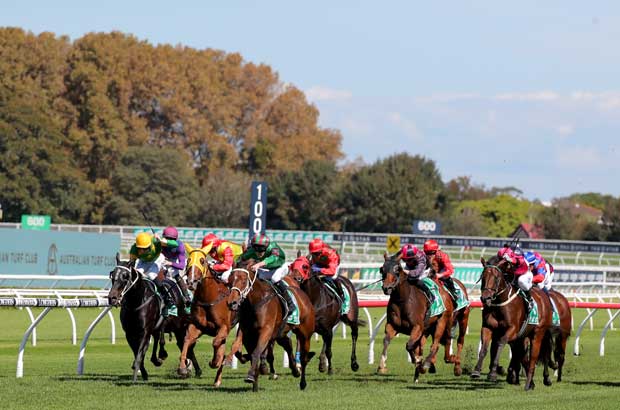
530	257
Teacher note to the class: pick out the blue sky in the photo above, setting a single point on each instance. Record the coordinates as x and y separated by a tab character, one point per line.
524	94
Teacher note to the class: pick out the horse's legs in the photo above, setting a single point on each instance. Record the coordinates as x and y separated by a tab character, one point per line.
138	363
305	356
326	353
439	331
390	333
322	359
560	352
485	338
270	360
163	354
156	338
285	342
219	347
354	333
492	376
191	335
463	320
534	352
261	344
236	346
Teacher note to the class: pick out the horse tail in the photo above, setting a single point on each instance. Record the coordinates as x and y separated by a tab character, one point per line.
346	282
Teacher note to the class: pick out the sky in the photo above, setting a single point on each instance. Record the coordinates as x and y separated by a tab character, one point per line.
522	94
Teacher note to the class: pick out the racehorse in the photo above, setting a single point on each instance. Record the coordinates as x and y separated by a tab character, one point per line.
407	313
504	318
209	314
327	308
141	316
261	320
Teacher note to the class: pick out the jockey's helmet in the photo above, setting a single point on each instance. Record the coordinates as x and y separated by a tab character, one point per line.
408	252
259	242
431	246
530	257
209	239
171	233
143	240
316	245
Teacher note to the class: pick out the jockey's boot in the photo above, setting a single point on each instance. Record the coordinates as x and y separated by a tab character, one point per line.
335	286
184	290
449	284
167	298
529	301
426	290
283	290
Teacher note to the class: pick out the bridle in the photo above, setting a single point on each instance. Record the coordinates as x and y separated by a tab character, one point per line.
394	271
249	283
496	292
129	284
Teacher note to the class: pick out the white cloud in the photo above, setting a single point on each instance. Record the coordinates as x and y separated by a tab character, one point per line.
528	96
408	126
319	93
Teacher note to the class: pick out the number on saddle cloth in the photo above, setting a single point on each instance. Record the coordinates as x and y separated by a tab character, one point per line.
438	307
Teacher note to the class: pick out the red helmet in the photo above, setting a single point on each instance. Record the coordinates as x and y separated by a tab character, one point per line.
316	245
171	233
408	252
259	242
431	246
209	239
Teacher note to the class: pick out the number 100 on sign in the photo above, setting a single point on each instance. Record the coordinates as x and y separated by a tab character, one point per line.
258	208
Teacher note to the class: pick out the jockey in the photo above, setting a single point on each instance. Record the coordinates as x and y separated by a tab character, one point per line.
445	270
520	269
325	261
270	265
415	267
223	252
541	270
174	252
150	262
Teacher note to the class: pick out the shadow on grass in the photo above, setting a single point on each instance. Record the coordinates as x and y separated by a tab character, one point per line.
596	383
463	384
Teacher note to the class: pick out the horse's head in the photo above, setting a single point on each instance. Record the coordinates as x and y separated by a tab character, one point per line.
300	268
491	278
241	280
390	273
196	267
123	277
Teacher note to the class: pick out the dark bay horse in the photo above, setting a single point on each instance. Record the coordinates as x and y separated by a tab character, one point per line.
261	321
141	316
327	308
209	314
406	313
503	317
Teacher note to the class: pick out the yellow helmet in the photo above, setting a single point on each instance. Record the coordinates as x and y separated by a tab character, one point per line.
143	240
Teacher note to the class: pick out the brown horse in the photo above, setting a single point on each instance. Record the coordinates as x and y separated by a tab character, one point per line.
557	336
209	313
503	317
327	308
261	320
406	313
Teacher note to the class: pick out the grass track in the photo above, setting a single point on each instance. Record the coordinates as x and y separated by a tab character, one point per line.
50	382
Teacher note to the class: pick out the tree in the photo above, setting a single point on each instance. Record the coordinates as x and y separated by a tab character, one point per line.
224	199
156	181
304	199
389	194
500	214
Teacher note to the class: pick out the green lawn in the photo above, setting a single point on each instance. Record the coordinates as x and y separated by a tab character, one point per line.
50	380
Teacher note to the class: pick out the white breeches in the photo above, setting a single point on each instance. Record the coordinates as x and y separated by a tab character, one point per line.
151	269
275	275
525	281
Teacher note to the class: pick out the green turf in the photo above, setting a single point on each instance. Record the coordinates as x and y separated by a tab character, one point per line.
50	382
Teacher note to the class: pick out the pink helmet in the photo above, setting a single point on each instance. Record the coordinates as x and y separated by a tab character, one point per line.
408	252
171	233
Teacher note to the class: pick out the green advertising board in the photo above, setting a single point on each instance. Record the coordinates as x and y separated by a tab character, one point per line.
195	235
36	222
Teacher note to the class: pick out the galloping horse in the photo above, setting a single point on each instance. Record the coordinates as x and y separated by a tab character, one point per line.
504	317
209	314
261	321
406	313
141	316
327	308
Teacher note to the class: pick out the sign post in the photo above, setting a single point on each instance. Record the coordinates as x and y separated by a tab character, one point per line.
258	208
392	243
36	222
426	228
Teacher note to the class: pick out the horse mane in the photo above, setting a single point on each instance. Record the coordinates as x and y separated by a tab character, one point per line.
493	260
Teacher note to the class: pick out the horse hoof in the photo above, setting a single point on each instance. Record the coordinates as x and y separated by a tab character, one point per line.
475	374
382	370
354	366
458	371
302	385
432	369
330	371
217	384
296	373
183	373
163	355
273	376
249	379
501	371
547	382
198	373
263	369
156	362
322	368
492	377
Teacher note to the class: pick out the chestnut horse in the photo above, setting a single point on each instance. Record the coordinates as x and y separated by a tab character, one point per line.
261	320
141	316
406	313
503	318
327	308
209	314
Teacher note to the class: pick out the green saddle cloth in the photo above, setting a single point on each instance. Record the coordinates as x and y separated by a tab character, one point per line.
555	317
532	316
438	307
293	317
346	303
461	300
